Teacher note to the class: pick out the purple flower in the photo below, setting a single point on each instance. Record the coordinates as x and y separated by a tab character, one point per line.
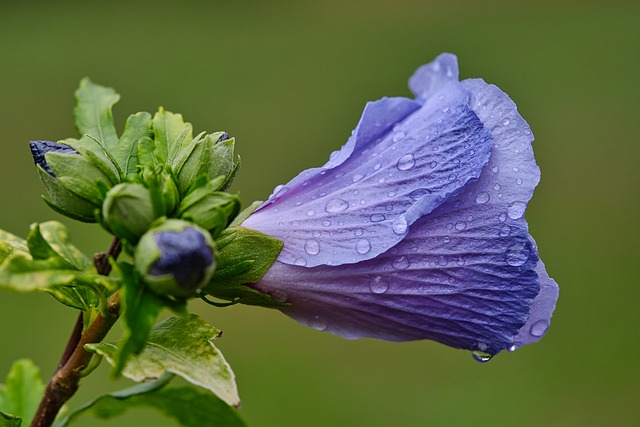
40	148
415	229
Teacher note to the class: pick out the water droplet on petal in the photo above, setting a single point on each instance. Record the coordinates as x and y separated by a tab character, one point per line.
398	136
461	225
481	356
318	324
400	225
539	327
363	246
519	181
279	295
446	239
326	223
433	164
516	210
357	177
312	247
400	263
336	206
517	254
512	348
506	122
300	261
495	169
502	217
377	217
406	162
279	191
482	197
505	231
295	223
358	232
311	212
377	166
378	285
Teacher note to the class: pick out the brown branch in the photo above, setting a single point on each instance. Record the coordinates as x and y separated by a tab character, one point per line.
75	359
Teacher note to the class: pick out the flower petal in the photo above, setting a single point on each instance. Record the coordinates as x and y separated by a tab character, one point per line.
400	164
40	148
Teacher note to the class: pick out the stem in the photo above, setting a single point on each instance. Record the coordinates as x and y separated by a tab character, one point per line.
75	359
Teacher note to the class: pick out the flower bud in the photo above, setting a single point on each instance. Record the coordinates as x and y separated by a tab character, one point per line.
128	211
176	258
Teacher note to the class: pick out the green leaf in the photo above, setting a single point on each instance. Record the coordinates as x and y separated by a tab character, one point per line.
138	126
94	152
64	201
171	133
8	420
93	113
183	346
141	308
78	175
80	297
22	391
189	406
50	239
244	256
10	245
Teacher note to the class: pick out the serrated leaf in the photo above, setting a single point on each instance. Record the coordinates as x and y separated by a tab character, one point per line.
183	346
137	126
22	391
51	238
171	133
189	406
93	113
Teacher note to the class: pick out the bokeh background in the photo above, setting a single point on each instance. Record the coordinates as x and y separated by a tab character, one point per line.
289	79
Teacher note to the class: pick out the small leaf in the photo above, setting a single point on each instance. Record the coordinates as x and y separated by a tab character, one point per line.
171	133
78	175
64	201
138	126
22	391
79	297
93	113
183	346
189	406
8	420
51	238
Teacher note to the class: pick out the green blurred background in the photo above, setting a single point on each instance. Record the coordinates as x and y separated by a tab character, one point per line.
289	80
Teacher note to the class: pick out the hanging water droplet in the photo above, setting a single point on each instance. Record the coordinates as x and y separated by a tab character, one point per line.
279	295
279	191
539	327
363	246
318	324
336	206
300	261
400	225
482	197
400	263
398	136
481	356
517	254
357	177
506	122
512	348
311	212
406	162
312	247
378	285
516	210
377	217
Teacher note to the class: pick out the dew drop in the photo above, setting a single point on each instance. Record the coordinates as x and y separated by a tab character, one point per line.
326	223
496	187
317	233
295	223
378	285
506	122
419	193
480	356
406	162
400	263
298	203
539	327
312	247
446	239
433	164
495	169
279	191
363	246
381	180
377	166
336	206
502	217
357	177
517	254
358	232
505	231
279	295
482	197
398	136
512	348
378	217
311	212
300	261
318	324
461	225
516	210
400	225
391	194
519	181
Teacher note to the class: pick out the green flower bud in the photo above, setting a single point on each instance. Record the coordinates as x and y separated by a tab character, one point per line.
176	258
128	211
